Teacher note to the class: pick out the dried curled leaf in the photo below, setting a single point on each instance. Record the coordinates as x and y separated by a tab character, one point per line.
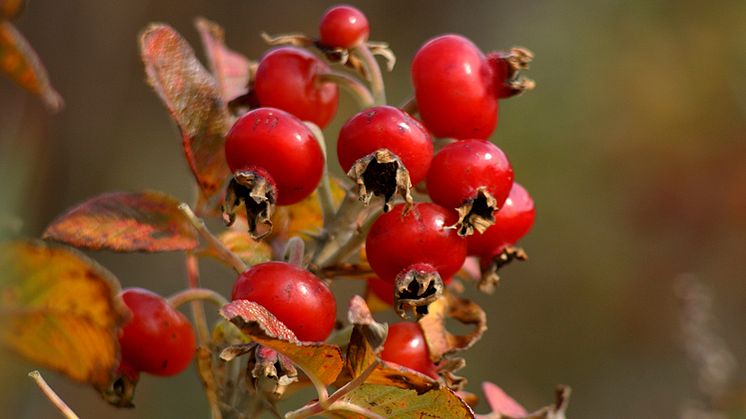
323	362
491	266
440	341
392	402
126	222
193	99
59	310
19	61
365	343
231	69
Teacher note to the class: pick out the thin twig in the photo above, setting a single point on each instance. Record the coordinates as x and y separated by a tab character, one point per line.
294	251
196	294
410	106
198	310
373	71
324	191
362	94
52	396
223	253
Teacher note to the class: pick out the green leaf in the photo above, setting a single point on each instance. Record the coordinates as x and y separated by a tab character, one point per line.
59	309
126	222
193	99
20	62
392	402
322	361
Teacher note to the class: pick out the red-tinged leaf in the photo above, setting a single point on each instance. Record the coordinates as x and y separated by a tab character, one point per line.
193	98
59	309
500	402
392	402
504	407
231	69
126	222
11	8
19	61
323	362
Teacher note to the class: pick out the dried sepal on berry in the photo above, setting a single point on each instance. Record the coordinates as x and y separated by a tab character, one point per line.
381	173
450	306
476	215
121	391
270	372
507	66
415	289
490	266
257	194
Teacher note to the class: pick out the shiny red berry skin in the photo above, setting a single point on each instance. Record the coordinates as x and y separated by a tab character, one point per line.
282	145
386	127
343	26
287	78
455	89
157	339
462	167
405	345
295	296
512	222
397	241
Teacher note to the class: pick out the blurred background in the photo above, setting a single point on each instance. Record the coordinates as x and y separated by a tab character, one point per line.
633	146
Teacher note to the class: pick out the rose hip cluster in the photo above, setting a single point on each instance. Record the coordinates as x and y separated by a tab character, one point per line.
472	205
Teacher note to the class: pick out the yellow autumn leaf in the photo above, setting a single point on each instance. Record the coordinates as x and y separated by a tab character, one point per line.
59	309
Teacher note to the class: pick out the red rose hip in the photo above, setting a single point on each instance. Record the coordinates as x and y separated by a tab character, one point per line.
157	339
512	222
405	345
397	241
295	296
343	26
288	78
455	88
473	176
282	146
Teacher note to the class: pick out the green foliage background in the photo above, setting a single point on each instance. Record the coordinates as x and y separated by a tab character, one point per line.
633	146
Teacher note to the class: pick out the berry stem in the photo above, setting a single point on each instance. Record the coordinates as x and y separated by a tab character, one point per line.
222	252
354	241
294	251
326	201
372	72
52	396
362	94
198	310
339	229
196	294
409	106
